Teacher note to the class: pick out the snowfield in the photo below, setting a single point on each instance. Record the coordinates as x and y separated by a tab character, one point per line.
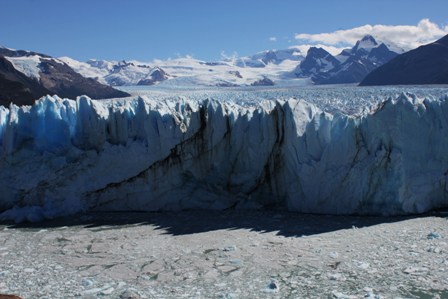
27	65
342	150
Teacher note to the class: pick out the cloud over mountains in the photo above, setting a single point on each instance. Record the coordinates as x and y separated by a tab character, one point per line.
405	36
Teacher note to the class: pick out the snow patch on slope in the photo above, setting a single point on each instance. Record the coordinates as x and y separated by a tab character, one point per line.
86	69
28	65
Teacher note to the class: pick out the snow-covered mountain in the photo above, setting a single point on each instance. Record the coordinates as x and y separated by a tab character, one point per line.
119	73
26	76
127	73
114	73
317	61
95	69
350	66
61	156
367	50
262	59
188	71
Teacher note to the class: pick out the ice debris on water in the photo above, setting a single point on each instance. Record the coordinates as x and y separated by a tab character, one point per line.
336	276
363	265
333	254
230	248
433	235
417	271
371	295
434	249
273	286
107	291
228	296
339	295
130	294
87	282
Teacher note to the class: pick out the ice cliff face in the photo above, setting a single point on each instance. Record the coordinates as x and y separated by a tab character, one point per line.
62	156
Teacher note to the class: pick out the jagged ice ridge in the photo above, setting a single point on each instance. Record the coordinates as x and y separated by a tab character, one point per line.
60	156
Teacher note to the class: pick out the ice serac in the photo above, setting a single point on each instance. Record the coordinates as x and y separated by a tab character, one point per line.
62	156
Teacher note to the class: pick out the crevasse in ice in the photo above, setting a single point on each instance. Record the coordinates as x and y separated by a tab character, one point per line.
62	156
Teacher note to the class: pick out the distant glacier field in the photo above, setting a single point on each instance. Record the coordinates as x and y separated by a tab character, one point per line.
325	150
348	99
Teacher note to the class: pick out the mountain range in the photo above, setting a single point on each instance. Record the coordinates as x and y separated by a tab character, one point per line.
350	66
26	75
265	68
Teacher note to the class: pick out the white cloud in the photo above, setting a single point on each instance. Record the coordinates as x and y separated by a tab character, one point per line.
273	39
229	57
404	36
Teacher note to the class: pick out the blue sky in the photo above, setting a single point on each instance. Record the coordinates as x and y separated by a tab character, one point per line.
145	30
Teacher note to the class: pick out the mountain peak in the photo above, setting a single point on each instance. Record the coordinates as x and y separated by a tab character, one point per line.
317	52
368	42
368	37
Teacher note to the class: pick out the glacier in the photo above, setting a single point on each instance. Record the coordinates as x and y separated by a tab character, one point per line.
61	156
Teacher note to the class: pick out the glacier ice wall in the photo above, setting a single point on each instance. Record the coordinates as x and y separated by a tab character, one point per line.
61	156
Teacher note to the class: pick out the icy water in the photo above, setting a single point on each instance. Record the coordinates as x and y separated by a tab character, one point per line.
231	254
347	99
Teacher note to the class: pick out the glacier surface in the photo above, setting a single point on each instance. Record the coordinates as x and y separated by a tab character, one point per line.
61	156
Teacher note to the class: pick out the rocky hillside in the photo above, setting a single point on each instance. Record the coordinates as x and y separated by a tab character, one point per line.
16	87
425	65
26	76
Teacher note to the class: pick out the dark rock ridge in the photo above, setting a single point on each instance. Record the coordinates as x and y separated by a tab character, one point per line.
223	83
213	63
425	65
236	74
350	66
19	53
265	81
56	77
